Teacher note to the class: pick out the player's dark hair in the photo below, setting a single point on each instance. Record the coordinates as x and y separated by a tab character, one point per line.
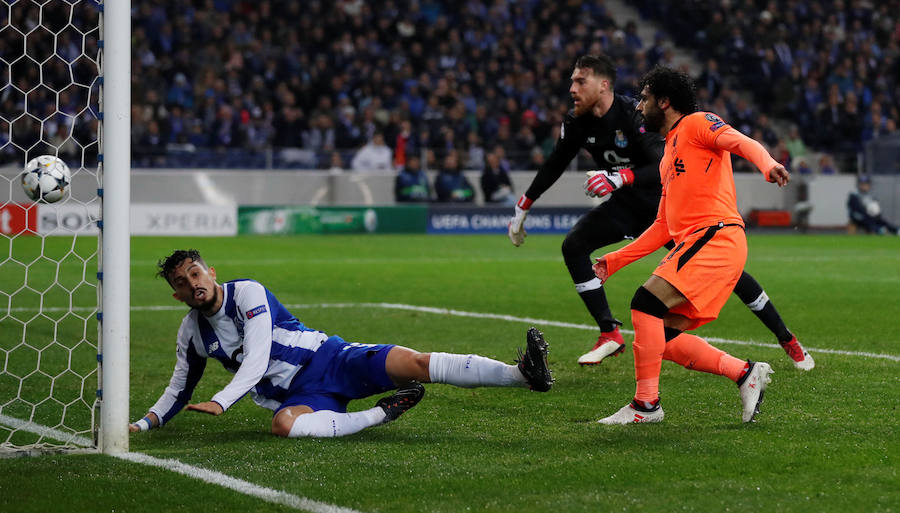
678	87
600	64
167	265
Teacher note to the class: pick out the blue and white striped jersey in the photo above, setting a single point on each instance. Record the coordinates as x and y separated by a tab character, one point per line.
254	336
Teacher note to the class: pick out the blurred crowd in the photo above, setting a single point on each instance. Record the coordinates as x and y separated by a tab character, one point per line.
829	67
355	84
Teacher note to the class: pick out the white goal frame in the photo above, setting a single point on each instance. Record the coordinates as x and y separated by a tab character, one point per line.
115	237
68	378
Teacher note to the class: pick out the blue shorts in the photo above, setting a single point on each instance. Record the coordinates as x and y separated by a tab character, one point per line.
339	372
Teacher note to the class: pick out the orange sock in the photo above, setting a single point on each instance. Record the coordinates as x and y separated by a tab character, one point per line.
649	346
693	352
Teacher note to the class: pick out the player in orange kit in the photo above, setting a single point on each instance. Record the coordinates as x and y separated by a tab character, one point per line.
698	210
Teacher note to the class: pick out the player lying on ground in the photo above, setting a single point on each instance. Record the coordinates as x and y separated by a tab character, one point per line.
612	131
305	376
698	210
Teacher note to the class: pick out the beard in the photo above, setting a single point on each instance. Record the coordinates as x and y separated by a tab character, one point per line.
580	108
654	119
584	105
212	297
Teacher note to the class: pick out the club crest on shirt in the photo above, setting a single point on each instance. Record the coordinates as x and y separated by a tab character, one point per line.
256	311
620	140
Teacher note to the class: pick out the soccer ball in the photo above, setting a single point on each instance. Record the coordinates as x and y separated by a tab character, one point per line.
46	178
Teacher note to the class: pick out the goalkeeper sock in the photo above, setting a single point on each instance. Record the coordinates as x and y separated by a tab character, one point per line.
471	370
328	423
692	352
756	299
591	292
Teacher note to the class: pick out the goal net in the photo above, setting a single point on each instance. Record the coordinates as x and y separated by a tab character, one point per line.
50	254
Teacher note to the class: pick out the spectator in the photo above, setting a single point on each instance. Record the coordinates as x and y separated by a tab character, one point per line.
411	184
801	167
537	158
794	143
406	143
710	79
373	156
826	165
336	163
495	183
476	154
321	135
865	211
451	184
440	77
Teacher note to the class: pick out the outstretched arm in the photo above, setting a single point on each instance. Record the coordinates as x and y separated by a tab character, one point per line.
149	421
566	148
189	367
653	238
735	142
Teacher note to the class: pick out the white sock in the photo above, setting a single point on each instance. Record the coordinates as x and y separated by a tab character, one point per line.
471	370
592	284
328	423
759	303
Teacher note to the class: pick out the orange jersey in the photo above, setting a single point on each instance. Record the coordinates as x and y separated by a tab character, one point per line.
698	185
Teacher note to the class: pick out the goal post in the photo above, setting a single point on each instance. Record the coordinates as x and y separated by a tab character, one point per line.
115	241
65	266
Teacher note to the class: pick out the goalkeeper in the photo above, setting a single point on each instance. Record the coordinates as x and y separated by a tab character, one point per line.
612	131
305	376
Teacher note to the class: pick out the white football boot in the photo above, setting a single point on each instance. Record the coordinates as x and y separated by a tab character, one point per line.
629	415
754	388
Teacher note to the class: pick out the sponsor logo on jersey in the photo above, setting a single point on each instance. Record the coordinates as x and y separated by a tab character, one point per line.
613	158
256	311
213	347
591	140
620	140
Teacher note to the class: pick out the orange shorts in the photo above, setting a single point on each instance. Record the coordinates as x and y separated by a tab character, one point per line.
705	267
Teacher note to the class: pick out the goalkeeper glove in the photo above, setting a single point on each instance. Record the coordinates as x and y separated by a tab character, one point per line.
601	183
517	223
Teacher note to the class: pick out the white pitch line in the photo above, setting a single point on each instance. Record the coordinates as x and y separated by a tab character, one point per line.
279	497
560	324
501	317
233	483
45	431
209	476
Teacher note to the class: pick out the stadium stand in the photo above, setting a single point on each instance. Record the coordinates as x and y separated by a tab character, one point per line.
305	84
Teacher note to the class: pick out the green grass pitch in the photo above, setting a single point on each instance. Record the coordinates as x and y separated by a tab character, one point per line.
826	440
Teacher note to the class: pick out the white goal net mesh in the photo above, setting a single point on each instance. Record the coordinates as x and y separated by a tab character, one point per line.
50	85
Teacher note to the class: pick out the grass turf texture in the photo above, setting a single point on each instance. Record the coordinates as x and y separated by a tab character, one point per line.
825	441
